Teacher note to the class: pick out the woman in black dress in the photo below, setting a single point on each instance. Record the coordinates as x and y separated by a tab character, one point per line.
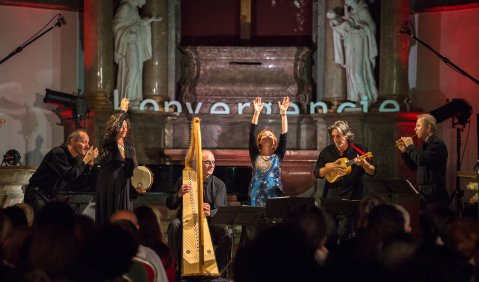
118	159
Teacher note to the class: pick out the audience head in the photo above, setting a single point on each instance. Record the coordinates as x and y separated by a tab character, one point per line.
385	220
53	251
365	207
56	214
312	221
16	245
434	222
279	253
113	248
150	229
462	236
29	212
125	215
6	226
16	215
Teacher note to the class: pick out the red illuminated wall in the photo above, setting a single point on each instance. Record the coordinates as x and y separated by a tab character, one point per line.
280	22
454	35
210	22
274	22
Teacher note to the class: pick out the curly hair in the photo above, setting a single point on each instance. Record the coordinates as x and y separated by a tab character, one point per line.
113	126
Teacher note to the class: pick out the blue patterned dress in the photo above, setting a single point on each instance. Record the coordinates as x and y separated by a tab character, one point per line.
266	181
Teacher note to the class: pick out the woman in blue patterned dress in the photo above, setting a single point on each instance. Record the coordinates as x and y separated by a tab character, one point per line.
266	155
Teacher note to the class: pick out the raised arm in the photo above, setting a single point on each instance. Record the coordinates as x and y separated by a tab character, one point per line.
258	106
283	107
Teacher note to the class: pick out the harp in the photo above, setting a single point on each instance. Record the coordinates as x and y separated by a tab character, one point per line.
198	258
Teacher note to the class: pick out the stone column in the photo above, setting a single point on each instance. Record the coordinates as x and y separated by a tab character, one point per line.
155	70
393	59
334	74
98	48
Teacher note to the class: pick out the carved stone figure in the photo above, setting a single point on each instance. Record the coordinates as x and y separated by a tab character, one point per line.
132	48
355	48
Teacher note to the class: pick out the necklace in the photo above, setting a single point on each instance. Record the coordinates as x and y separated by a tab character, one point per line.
121	148
263	163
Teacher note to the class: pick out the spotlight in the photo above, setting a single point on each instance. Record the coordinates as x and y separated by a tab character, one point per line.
76	103
457	108
11	158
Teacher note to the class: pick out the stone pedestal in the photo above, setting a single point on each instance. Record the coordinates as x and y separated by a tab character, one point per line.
239	74
12	178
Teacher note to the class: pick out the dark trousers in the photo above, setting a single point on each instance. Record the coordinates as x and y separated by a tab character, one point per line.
340	225
339	228
221	235
38	199
35	198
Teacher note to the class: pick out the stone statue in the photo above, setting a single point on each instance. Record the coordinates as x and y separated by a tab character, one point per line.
355	48
132	48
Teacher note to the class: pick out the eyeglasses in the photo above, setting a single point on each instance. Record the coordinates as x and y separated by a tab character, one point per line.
209	162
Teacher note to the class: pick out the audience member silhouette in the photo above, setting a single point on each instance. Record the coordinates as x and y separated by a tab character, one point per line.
313	223
16	215
111	251
150	235
279	253
144	253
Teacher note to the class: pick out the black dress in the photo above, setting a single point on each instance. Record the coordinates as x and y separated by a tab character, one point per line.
113	183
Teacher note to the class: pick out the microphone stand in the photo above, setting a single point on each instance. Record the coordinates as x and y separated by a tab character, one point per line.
59	23
406	28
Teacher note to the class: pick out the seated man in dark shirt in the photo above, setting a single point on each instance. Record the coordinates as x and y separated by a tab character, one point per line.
64	168
214	197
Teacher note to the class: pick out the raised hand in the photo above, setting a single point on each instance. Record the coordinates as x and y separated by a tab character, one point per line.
401	146
124	104
258	105
407	141
90	155
284	105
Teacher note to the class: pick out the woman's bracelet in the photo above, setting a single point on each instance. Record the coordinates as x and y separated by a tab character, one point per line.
282	113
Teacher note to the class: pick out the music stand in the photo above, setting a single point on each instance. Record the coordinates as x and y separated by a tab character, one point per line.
340	206
238	215
281	207
390	187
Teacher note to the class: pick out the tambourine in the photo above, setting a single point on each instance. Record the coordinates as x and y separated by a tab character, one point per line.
142	179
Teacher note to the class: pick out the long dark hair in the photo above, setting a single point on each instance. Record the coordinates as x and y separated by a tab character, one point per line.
113	126
150	233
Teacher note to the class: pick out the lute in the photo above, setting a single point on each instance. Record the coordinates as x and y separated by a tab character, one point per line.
346	164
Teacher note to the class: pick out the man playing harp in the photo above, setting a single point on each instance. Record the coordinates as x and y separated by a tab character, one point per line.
214	196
